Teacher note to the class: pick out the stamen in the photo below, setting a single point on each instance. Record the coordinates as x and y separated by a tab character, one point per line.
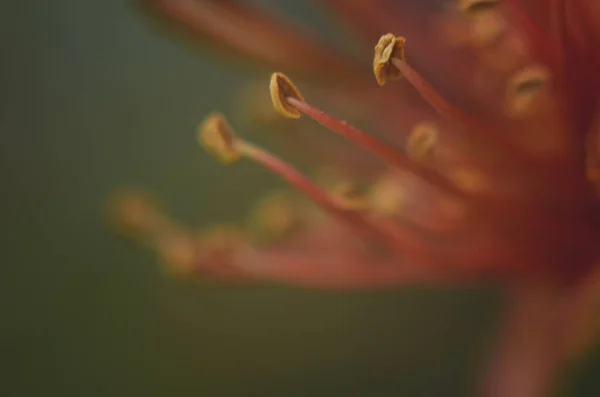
282	88
297	180
445	109
427	92
421	141
388	47
364	140
218	138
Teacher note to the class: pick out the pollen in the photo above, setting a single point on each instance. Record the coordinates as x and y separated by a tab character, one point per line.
388	47
217	137
282	88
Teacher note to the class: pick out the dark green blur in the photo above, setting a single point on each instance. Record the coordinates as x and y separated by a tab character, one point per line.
93	98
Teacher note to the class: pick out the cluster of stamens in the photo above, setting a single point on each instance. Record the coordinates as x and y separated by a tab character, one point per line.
385	214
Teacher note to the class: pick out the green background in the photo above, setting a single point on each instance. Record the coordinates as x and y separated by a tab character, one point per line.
93	98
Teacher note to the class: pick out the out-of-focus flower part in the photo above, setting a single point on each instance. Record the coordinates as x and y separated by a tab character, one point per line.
482	163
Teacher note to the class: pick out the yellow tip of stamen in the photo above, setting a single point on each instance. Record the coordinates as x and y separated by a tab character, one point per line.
221	241
350	196
476	8
281	88
177	253
388	47
421	141
217	137
524	87
134	212
470	180
275	217
387	196
487	25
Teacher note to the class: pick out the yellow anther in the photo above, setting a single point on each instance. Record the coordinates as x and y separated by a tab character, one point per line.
421	141
387	196
220	241
469	180
218	138
487	29
350	196
282	88
177	253
388	47
275	216
134	212
476	8
525	87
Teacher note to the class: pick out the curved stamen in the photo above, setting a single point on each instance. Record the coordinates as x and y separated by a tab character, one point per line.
450	112
378	148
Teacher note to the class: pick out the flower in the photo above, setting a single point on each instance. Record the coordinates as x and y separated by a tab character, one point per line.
482	162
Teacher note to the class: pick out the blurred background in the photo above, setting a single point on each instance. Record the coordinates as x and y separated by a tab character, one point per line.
93	98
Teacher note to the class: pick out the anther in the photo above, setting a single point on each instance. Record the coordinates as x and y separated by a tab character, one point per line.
220	241
350	196
469	180
218	138
525	87
282	89
476	8
388	47
421	141
488	28
387	196
275	217
135	212
177	254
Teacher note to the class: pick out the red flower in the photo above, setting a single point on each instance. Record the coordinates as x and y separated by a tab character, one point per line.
482	162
